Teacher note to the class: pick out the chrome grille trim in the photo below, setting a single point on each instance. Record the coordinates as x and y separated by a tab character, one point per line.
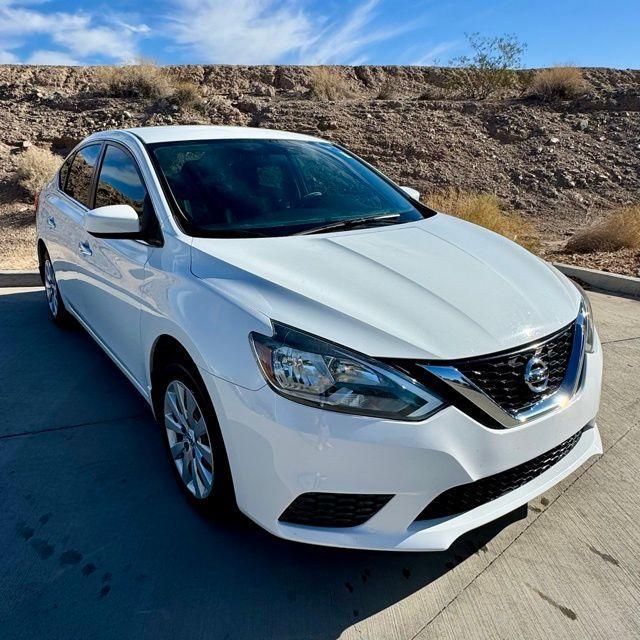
552	402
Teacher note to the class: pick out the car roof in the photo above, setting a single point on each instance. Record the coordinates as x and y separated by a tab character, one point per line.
204	132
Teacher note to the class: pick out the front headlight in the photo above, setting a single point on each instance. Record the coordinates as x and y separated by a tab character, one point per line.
589	327
312	371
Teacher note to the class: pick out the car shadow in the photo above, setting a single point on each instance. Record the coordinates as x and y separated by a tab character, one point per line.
100	542
318	592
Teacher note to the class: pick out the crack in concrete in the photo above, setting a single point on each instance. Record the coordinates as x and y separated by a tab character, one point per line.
605	342
21	434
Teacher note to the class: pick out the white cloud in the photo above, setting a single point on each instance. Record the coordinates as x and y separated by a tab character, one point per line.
208	31
16	21
345	37
44	56
269	31
97	41
135	28
6	57
79	35
239	32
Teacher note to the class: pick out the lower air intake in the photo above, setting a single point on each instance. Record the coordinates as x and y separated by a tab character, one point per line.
334	509
469	496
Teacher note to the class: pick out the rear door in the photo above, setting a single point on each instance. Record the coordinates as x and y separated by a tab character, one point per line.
65	209
116	267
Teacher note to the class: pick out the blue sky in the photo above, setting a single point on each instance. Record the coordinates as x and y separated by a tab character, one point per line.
585	32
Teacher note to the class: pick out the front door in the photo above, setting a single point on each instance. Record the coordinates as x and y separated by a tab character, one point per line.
116	267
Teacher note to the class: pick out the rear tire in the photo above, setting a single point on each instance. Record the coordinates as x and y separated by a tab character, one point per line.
193	440
57	310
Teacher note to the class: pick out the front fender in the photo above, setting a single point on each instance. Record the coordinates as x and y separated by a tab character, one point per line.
213	329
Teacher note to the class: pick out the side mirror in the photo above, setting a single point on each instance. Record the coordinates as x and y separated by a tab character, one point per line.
112	221
412	193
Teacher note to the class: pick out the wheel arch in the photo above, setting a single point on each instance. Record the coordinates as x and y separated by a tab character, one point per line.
167	349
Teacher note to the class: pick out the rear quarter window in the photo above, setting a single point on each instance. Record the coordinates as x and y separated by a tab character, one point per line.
64	171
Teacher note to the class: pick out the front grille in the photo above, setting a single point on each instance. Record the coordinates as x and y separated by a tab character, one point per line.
469	496
334	509
501	377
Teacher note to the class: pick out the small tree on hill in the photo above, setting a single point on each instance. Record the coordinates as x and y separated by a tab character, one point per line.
490	68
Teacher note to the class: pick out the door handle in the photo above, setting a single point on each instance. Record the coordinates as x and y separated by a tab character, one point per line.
85	249
51	221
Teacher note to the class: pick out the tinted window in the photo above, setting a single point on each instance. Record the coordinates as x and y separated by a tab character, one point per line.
274	187
119	181
79	179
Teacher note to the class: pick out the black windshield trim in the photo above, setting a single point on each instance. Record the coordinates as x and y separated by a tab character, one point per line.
189	229
178	215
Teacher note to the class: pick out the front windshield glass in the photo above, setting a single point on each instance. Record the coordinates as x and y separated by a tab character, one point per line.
275	187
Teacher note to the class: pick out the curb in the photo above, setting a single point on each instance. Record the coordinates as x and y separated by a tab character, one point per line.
14	278
602	280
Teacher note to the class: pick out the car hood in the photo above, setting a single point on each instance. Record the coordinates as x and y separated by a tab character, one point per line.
439	288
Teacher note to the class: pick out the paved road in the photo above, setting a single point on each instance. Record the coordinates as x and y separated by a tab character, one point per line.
97	542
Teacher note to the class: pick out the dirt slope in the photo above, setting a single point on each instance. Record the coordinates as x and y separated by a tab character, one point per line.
561	164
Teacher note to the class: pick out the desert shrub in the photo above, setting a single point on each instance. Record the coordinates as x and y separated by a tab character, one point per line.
387	91
485	210
144	79
34	167
620	229
328	84
557	83
434	92
491	67
186	94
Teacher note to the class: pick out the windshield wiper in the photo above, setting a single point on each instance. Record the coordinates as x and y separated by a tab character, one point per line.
350	223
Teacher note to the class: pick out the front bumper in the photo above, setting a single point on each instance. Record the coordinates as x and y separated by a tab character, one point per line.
279	449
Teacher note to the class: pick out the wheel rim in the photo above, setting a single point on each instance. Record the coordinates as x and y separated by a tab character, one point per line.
188	438
51	287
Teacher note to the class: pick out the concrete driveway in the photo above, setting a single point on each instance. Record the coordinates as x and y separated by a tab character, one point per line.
97	542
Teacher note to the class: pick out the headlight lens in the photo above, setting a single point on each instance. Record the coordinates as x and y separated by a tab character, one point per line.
589	327
312	371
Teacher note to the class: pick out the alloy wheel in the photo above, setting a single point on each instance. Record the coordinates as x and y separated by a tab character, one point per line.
51	287
189	441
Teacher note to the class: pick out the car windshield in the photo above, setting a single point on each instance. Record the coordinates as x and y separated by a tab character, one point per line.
247	188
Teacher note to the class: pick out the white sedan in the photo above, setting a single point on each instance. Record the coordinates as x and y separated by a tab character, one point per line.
344	364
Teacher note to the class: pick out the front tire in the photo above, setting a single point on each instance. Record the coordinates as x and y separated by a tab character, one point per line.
57	310
193	440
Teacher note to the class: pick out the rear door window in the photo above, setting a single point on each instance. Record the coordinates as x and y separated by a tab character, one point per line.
80	174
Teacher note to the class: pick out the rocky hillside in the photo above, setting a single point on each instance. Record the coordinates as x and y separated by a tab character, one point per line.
562	164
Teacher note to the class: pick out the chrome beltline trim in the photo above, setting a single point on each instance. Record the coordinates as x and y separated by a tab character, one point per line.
553	402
